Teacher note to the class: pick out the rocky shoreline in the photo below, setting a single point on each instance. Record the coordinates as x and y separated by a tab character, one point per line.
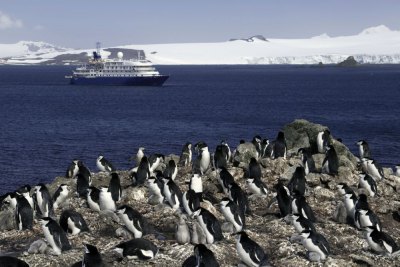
272	233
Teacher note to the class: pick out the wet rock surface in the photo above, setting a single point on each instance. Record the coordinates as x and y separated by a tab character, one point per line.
273	234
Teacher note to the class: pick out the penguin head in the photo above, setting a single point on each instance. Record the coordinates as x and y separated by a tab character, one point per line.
89	249
240	235
224	202
172	163
305	234
249	181
196	213
64	187
100	157
199	249
281	136
45	220
121	210
103	189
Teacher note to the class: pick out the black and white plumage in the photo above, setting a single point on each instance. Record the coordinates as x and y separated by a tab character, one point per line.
227	150
375	170
10	199
364	216
209	224
330	164
83	170
279	149
139	155
300	223
133	220
82	184
93	198
190	201
72	222
397	170
363	149
43	201
23	213
60	195
380	241
172	193
349	199
232	213
182	232
220	157
256	186
73	169
266	149
137	248
115	187
25	191
171	170
323	140
368	183
225	179
316	244
154	161
156	188
256	141
307	160
91	257
283	198
142	173
186	156
106	200
104	165
55	235
249	251
254	169
204	256
196	184
300	206
237	195
9	261
297	184
203	159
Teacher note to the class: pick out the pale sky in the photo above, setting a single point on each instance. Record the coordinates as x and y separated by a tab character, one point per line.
81	23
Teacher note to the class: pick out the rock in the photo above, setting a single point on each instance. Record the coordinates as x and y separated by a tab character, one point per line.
244	152
135	194
348	62
38	247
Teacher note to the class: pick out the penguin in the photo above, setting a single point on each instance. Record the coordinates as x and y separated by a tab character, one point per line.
196	184
380	241
300	223
349	199
171	170
256	186
227	150
156	188
104	165
92	257
232	213
106	200
133	220
72	222
82	184
307	160
186	155
225	179
203	158
237	195
23	214
139	155
279	149
204	256
364	216
323	140
363	149
198	236
54	235
300	206
172	193
84	171
25	192
249	251
182	233
142	173
209	224
368	183
397	170
60	195
43	201
363	163
10	199
220	157
316	244
190	262
375	170
256	141
9	261
283	198
330	164
266	149
154	161
254	169
137	248
73	169
115	187
297	184
93	198
190	201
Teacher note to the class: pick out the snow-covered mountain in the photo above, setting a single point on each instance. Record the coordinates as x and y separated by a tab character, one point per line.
28	48
375	45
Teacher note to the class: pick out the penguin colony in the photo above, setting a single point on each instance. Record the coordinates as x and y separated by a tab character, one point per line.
205	220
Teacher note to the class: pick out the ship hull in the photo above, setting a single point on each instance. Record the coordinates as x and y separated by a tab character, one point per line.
123	81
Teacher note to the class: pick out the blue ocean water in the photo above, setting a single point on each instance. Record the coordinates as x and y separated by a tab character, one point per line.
46	123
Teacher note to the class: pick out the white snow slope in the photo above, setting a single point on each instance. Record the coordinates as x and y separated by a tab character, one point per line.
376	45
